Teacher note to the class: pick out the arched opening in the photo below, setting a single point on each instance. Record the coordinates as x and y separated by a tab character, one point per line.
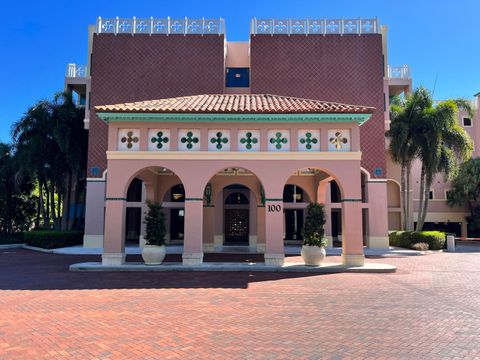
312	185
133	212
233	212
174	205
295	202
394	205
156	184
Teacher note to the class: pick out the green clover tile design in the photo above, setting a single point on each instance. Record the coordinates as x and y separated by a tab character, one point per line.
219	139
159	139
189	139
129	139
248	140
308	140
278	140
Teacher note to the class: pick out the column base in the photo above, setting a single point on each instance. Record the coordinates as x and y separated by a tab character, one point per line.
274	259
217	241
353	260
141	242
113	259
192	259
261	248
208	248
93	241
378	242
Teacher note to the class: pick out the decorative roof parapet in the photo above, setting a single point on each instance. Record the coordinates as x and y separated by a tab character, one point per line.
314	26
160	26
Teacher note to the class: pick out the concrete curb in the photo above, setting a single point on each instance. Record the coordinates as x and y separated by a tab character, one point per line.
326	268
34	248
11	246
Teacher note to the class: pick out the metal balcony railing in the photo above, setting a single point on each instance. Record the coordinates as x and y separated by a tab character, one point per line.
399	72
160	26
76	71
314	26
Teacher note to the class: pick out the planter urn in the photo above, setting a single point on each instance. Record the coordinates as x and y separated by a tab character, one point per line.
153	254
313	255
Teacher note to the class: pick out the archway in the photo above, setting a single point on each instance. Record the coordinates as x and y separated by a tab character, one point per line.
174	205
312	185
233	212
155	184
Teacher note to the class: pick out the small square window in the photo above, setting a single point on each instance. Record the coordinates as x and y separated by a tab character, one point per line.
378	172
467	122
430	195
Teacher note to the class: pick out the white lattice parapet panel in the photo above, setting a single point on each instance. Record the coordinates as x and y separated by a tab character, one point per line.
160	26
314	26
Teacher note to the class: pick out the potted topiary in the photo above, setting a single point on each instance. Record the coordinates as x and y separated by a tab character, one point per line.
314	242
153	252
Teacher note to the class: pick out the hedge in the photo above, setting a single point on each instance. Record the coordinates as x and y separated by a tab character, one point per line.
11	238
49	239
405	239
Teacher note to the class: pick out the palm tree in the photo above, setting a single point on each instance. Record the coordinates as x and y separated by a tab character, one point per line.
404	115
442	146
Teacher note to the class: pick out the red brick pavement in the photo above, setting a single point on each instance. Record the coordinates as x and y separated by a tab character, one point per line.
429	309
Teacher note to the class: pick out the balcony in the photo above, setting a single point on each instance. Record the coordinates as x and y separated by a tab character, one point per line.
399	72
399	79
76	71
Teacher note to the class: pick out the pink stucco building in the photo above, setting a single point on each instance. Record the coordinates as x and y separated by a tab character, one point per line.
236	138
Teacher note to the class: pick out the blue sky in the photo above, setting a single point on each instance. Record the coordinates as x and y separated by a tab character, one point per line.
38	38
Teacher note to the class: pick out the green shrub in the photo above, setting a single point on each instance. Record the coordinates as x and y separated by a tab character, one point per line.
434	239
11	238
406	239
49	239
155	224
313	234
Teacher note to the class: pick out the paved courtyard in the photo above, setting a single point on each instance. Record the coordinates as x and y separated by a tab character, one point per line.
428	309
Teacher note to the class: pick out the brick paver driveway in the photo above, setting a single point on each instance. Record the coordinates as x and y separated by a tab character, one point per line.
430	308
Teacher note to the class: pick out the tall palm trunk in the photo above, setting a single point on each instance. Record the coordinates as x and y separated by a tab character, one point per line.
66	203
421	200
409	224
426	194
404	198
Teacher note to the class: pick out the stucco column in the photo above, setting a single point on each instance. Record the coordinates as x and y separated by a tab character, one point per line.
114	242
274	251
94	213
377	215
192	243
352	238
323	197
261	229
252	235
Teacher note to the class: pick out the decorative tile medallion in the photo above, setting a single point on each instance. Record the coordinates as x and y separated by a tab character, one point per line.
189	140
279	140
248	140
159	140
128	140
339	140
309	140
219	140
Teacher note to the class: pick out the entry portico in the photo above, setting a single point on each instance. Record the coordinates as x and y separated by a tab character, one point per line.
239	153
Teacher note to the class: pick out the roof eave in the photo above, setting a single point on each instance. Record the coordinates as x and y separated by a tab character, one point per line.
359	118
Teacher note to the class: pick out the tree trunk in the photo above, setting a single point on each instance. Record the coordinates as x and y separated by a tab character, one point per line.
428	185
407	195
52	202
66	203
404	203
421	199
42	204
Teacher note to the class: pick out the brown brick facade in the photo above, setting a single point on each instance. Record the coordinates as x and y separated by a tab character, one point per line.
128	68
346	69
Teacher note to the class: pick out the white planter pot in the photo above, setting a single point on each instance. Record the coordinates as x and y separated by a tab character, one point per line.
313	255
153	254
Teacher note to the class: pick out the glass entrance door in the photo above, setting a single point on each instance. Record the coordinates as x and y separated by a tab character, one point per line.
236	226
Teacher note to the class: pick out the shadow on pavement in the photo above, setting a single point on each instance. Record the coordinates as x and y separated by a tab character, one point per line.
29	270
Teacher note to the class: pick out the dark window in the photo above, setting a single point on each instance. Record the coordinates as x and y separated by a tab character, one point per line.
238	77
467	122
177	193
293	224
236	199
292	194
430	195
177	224
134	193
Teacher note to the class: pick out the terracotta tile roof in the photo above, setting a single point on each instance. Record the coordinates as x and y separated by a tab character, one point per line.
236	104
